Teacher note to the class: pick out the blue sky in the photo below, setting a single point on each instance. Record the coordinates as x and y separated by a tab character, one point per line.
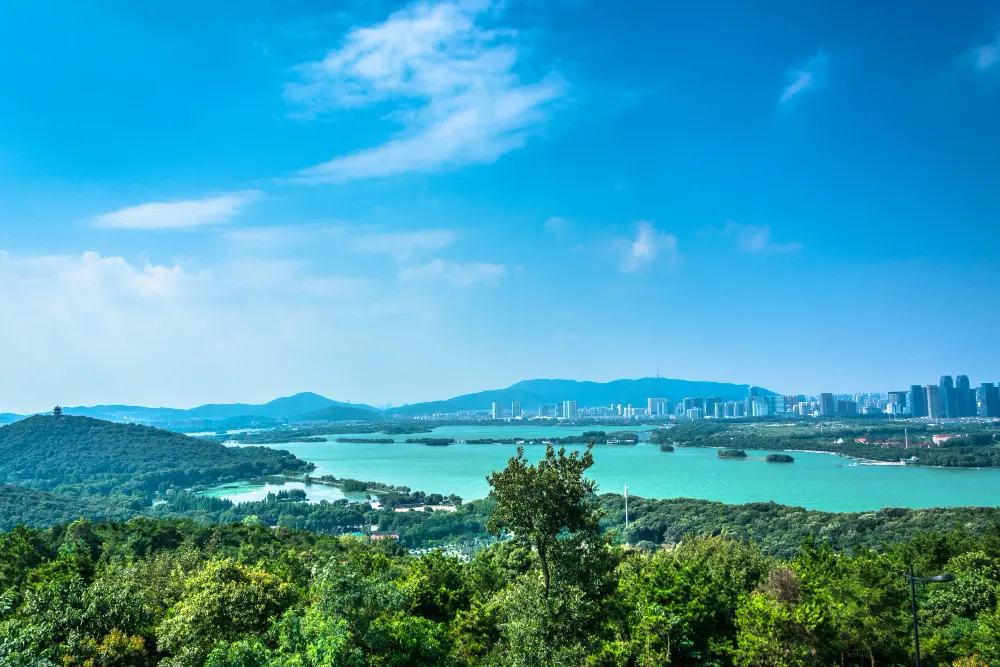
394	202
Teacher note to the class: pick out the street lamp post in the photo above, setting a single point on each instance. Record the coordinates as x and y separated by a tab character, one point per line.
913	604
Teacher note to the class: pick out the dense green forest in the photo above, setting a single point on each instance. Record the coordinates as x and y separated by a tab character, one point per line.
552	590
976	445
88	456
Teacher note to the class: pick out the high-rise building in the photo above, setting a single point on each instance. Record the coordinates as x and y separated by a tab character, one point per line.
949	399
693	403
657	407
694	413
965	397
760	408
775	404
918	401
827	405
720	410
497	410
847	408
990	403
569	410
515	409
710	404
933	401
899	398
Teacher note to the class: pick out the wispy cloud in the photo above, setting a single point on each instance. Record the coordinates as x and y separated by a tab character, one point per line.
556	225
460	274
180	214
648	245
756	239
402	245
986	56
805	77
465	103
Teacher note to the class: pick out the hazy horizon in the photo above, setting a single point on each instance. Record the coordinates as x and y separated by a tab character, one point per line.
279	198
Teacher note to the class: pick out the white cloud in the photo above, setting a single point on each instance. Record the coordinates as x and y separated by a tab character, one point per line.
460	274
557	225
756	239
91	328
987	56
180	214
805	77
648	245
463	101
402	245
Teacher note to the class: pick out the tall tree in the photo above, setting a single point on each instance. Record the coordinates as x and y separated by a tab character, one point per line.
537	503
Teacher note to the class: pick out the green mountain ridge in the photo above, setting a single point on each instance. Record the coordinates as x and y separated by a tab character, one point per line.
286	407
532	393
100	458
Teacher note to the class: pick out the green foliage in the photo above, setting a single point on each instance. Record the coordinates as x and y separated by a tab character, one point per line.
538	503
92	457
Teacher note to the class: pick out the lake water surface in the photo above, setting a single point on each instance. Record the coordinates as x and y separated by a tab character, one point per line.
815	481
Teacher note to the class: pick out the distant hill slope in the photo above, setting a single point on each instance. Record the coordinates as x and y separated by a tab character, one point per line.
280	408
31	507
9	417
91	456
532	393
336	413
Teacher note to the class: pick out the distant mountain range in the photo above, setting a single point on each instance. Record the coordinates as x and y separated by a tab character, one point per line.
532	393
308	406
288	407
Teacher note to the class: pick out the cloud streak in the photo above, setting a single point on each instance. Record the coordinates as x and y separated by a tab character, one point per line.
756	239
179	214
460	274
987	56
805	77
465	103
650	244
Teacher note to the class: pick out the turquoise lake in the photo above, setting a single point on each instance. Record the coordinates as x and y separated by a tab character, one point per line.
815	480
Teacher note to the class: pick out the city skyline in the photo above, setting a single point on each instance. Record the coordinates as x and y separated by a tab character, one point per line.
399	201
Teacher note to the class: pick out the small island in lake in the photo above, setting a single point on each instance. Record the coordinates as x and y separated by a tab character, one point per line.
380	441
732	454
779	458
666	448
432	442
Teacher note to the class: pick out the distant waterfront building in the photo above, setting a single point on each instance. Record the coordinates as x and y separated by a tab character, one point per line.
569	410
827	405
760	408
990	403
720	410
693	403
775	404
847	408
710	404
804	409
657	407
965	397
933	401
695	413
497	410
948	398
917	399
515	409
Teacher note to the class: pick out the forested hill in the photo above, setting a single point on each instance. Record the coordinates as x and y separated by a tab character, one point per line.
90	456
532	393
